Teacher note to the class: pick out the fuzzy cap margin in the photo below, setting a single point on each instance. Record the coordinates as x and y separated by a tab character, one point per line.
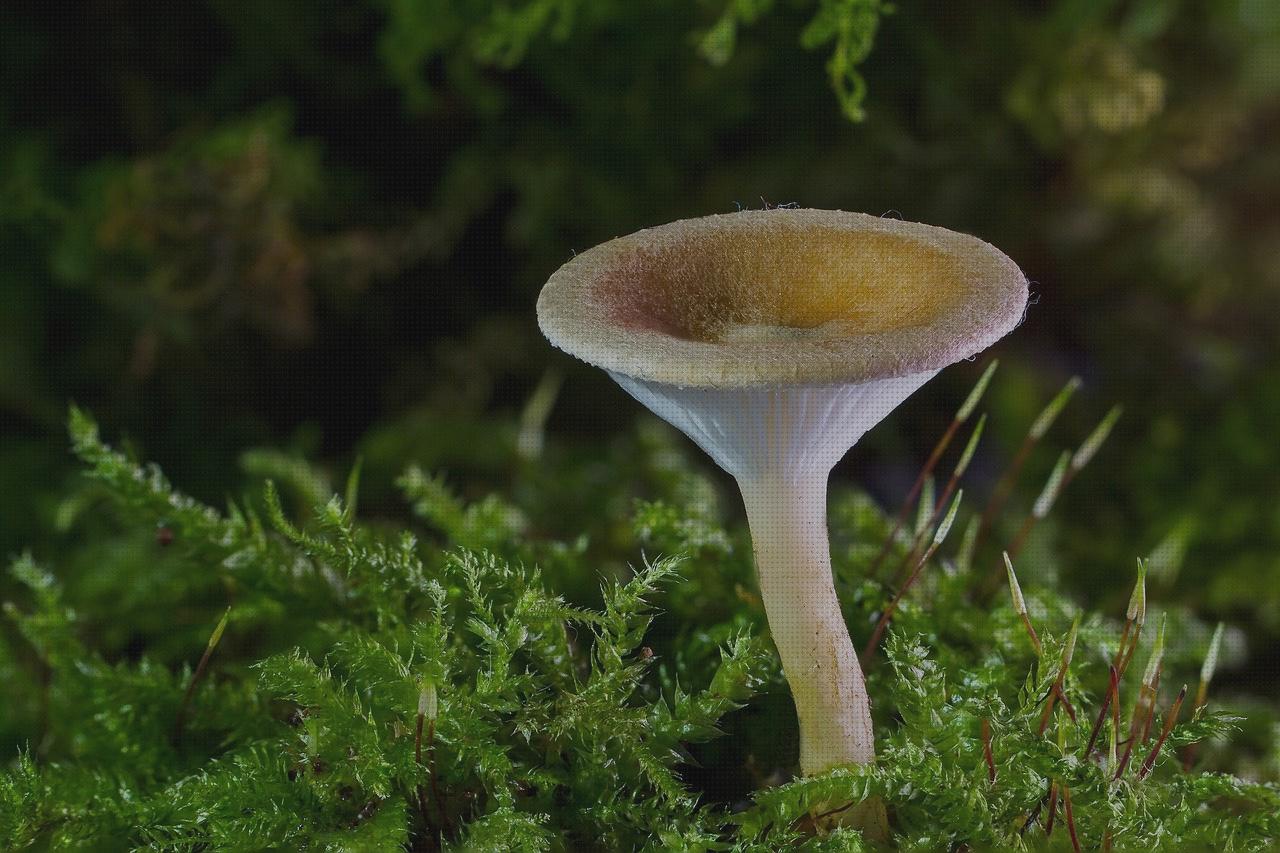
618	305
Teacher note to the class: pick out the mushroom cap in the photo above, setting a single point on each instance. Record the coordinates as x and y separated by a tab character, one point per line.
764	297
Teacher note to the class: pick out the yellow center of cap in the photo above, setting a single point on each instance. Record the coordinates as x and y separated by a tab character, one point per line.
777	284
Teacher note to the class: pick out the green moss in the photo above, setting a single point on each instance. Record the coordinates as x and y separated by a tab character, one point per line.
377	691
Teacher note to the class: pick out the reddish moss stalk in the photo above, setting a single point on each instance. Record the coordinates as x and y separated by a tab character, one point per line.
1069	464
1053	808
1115	724
909	501
1020	539
965	410
1128	751
1035	813
941	503
1134	618
181	721
1145	705
1170	720
1202	691
427	710
1004	488
1039	427
882	625
1044	503
1143	711
939	535
1151	708
918	542
1049	701
1113	686
1020	605
1133	646
1031	633
1056	691
1120	649
986	750
1066	706
1071	818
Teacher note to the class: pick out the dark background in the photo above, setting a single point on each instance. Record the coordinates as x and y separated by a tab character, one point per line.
321	226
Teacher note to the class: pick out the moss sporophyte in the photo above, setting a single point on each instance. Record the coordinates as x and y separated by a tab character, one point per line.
775	339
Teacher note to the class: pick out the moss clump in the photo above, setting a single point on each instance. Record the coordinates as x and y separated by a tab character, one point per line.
476	686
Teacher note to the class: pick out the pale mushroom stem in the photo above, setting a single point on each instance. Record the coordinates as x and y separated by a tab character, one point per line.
793	560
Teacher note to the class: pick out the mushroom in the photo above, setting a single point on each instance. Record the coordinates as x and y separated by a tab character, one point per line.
775	339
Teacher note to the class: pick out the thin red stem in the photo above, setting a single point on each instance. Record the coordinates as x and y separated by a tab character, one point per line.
1066	705
1056	693
1151	711
1031	632
1003	489
431	769
905	510
1071	818
938	507
1050	698
1053	808
1142	710
1112	687
1023	532
1133	647
992	580
1035	813
1189	753
1124	638
892	607
180	722
1169	722
986	750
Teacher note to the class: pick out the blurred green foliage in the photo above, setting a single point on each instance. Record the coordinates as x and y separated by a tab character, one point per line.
320	226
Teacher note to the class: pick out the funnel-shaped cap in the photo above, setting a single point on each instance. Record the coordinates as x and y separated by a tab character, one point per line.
782	296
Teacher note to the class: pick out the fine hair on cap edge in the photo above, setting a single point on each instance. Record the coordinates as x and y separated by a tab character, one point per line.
780	296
